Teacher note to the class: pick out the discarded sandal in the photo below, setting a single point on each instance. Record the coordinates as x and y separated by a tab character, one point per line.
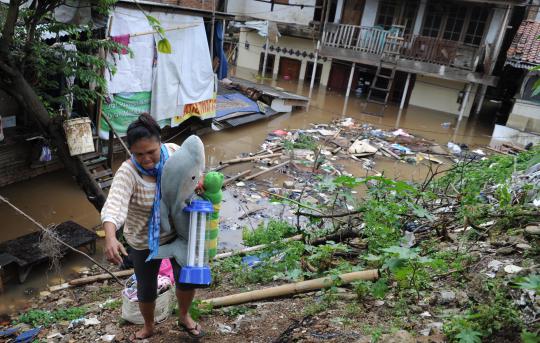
191	331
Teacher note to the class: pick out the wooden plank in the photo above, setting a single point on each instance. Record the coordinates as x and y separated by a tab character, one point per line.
102	173
105	184
98	160
267	170
236	177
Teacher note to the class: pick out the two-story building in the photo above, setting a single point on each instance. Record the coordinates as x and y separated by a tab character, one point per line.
447	50
293	55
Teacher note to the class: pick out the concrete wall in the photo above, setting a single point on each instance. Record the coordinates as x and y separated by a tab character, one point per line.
495	25
370	13
440	95
281	13
249	58
525	116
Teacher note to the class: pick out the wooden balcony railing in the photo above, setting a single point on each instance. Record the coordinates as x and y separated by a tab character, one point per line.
358	38
440	51
413	47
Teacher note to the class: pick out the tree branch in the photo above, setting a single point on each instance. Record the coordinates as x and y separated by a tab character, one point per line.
9	26
7	69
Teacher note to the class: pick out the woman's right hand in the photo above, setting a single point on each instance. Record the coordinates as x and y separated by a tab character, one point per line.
114	250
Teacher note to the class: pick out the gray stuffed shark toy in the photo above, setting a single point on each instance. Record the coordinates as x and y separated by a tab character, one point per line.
181	174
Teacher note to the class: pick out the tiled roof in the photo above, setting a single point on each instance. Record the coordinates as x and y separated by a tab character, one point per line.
524	51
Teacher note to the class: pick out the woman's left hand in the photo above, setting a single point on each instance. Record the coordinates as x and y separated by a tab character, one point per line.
199	190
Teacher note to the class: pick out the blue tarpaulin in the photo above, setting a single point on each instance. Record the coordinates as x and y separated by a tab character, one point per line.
218	50
235	102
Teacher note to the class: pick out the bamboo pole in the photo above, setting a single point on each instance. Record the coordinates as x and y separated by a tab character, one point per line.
266	170
236	177
116	134
251	158
290	289
99	277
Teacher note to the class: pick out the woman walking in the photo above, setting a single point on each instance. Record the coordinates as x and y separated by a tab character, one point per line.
133	201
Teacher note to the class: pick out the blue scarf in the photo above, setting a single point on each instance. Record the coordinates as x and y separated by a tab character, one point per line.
154	220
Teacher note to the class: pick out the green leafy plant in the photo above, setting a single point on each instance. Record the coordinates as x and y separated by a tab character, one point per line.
322	256
468	335
529	337
497	314
199	309
407	266
274	231
46	318
531	282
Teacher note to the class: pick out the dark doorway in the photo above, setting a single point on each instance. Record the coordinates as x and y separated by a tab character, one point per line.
339	76
309	72
289	69
398	86
269	63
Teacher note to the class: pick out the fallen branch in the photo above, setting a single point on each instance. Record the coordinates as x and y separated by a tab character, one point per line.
236	177
277	166
255	248
50	234
218	168
290	289
330	215
251	158
273	150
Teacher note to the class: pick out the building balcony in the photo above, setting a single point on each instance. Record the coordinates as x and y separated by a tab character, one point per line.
416	54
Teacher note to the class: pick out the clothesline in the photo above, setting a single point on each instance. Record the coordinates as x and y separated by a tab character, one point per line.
174	28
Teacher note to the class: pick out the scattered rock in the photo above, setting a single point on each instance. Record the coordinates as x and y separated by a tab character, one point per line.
495	265
462	297
400	336
425	314
288	184
92	288
378	303
523	246
240	184
111	329
446	297
533	230
107	338
44	294
64	301
512	269
505	251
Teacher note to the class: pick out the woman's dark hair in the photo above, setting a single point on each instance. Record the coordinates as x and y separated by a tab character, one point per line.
144	127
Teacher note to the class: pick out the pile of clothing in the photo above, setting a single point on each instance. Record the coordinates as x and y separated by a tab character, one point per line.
130	291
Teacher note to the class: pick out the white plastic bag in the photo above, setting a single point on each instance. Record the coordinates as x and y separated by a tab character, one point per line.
45	154
164	305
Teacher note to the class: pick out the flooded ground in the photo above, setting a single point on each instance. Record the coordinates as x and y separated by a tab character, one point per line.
55	197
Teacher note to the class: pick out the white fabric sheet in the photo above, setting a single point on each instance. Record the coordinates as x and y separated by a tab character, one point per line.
185	76
132	74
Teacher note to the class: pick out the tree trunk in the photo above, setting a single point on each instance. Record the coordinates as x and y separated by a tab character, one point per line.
28	99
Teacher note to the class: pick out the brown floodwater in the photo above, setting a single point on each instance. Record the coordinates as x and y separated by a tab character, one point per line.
55	197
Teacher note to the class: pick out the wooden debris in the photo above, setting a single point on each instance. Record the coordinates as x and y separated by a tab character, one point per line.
277	166
248	159
254	248
429	157
236	177
99	277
